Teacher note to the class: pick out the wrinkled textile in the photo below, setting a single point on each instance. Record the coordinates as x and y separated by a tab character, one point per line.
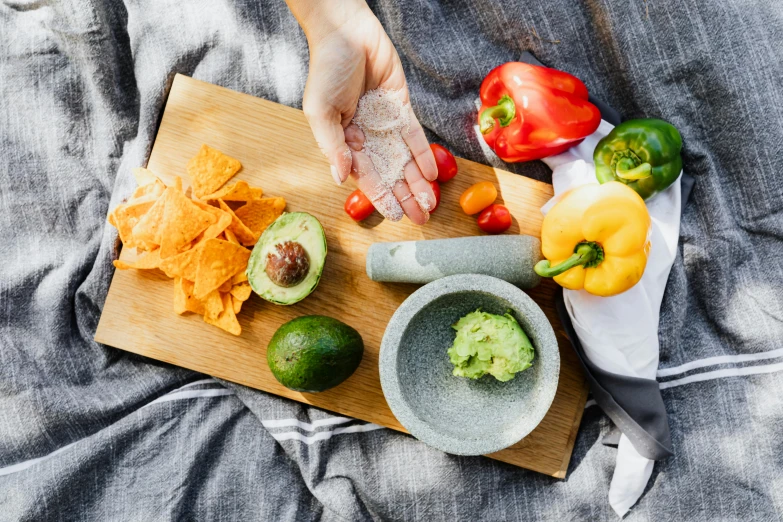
91	433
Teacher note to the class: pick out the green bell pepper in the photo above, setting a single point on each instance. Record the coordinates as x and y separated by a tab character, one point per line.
644	154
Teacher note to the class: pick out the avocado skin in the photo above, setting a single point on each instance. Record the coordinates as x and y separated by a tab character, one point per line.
314	353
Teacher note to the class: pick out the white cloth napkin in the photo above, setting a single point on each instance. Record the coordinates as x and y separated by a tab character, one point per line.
620	333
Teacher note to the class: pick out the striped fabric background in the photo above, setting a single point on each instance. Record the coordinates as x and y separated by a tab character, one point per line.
90	433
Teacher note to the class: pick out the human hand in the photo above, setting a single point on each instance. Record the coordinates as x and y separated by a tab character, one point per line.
350	54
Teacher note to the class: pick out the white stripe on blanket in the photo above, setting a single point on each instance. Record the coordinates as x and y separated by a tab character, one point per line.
323	435
284	423
196	383
721	359
727	372
190	394
178	394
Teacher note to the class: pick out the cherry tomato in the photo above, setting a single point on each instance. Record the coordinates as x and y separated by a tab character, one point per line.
447	165
494	219
358	206
436	190
478	197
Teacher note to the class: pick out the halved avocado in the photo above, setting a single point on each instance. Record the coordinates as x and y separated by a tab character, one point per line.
287	261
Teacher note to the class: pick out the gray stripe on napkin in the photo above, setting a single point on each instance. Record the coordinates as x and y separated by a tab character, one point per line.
635	405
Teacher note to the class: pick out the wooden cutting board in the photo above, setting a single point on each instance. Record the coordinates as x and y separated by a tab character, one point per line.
278	153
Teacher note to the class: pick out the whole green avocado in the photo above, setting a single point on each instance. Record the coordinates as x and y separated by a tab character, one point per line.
314	353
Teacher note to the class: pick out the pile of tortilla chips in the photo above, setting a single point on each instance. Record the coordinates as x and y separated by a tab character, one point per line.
200	241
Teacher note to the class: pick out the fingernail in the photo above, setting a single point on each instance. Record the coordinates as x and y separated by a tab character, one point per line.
336	175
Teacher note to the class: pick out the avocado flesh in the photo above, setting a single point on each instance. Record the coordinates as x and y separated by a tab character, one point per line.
314	353
298	227
490	344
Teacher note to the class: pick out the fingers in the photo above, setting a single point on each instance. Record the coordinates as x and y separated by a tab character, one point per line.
420	148
354	137
419	187
329	134
369	182
409	204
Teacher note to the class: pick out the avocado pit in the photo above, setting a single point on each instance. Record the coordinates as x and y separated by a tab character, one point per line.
288	264
288	259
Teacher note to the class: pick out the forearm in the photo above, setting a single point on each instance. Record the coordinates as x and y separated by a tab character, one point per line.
319	18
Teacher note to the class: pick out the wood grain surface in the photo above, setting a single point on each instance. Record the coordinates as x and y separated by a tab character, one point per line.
278	152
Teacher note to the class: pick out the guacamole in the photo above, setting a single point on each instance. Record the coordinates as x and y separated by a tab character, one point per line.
490	344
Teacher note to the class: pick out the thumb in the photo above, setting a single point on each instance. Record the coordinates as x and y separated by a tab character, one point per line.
326	124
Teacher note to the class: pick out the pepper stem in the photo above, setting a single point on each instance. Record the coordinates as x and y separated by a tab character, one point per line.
626	170
587	253
629	167
504	112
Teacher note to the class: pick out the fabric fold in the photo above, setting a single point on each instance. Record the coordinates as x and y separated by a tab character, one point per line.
616	337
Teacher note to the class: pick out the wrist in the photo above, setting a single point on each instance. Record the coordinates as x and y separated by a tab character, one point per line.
320	18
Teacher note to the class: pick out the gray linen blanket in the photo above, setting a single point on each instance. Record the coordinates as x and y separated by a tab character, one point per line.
91	433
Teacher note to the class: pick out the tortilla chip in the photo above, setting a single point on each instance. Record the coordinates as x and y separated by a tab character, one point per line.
182	265
146	261
241	277
151	190
237	305
227	320
184	300
239	191
241	291
218	261
182	222
240	230
123	265
177	184
125	217
210	169
230	236
257	192
149	260
180	297
144	176
192	304
213	305
260	213
146	232
223	220
225	287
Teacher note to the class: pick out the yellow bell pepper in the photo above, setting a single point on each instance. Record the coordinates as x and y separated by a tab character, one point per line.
597	238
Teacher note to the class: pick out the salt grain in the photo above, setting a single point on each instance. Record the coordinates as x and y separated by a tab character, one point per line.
383	117
386	203
423	199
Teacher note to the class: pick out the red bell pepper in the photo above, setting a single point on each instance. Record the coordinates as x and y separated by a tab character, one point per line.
530	112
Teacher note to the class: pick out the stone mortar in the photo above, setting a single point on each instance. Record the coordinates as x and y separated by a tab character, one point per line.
456	414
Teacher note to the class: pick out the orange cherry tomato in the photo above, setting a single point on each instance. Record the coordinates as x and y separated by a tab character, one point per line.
478	197
436	189
495	219
358	206
447	165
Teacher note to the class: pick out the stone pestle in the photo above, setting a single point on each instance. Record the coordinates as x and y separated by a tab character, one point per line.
510	258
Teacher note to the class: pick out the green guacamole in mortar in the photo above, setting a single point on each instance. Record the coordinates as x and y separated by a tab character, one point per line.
490	344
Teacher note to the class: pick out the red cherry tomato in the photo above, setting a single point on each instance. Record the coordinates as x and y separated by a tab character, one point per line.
436	190
494	219
358	206
447	165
